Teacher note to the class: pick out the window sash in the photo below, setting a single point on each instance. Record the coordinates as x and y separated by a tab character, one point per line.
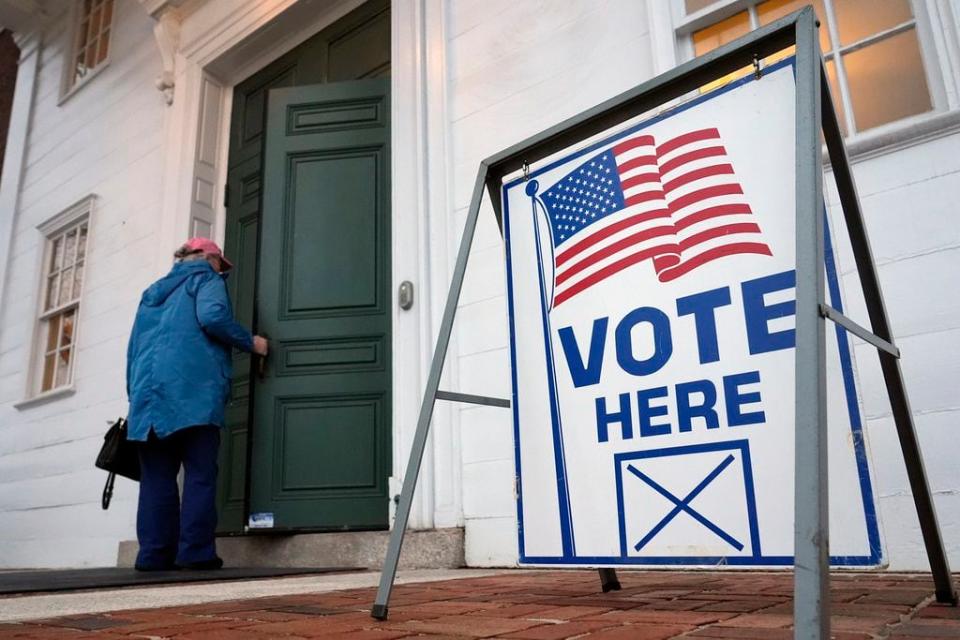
64	258
89	46
687	24
57	362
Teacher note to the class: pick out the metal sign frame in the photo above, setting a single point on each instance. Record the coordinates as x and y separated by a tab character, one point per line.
814	113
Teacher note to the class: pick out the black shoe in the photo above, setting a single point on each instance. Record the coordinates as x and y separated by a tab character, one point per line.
203	565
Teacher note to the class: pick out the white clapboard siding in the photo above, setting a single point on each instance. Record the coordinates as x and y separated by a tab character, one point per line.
105	139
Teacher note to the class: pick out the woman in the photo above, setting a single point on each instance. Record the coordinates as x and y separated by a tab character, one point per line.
178	382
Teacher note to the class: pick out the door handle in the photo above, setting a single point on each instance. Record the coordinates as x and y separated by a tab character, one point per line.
262	361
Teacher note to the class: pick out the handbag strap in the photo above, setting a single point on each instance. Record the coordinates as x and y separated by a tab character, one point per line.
107	491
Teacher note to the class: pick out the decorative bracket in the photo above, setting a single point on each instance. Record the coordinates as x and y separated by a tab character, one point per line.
167	33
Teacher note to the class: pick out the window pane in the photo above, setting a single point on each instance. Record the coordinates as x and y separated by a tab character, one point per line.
107	14
89	56
774	9
49	363
835	94
67	337
82	246
104	47
83	34
63	367
887	81
857	19
720	34
53	291
77	280
695	5
95	23
69	252
56	255
66	291
53	334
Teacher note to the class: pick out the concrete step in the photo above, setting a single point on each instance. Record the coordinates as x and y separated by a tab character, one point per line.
427	549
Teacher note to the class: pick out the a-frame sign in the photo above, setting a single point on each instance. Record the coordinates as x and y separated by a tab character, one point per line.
804	80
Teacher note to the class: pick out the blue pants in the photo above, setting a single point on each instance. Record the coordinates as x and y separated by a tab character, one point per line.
170	532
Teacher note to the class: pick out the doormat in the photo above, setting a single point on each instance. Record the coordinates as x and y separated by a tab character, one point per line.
108	577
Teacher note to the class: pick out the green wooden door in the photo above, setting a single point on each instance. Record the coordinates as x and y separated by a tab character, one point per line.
356	47
321	437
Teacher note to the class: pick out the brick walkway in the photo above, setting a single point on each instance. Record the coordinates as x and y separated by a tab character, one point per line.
540	606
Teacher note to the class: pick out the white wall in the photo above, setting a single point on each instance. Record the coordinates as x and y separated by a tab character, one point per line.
517	68
909	201
106	140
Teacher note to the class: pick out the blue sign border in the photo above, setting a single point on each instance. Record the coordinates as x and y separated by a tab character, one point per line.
569	557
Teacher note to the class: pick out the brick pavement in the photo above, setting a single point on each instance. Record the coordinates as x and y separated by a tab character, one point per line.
541	605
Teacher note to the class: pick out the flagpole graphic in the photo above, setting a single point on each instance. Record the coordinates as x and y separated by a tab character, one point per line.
546	303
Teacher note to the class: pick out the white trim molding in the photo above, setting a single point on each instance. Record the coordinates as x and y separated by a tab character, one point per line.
167	33
222	42
422	253
168	16
80	212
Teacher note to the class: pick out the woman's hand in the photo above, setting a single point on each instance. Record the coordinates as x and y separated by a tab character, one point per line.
260	345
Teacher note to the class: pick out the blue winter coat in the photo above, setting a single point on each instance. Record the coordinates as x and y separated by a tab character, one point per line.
179	356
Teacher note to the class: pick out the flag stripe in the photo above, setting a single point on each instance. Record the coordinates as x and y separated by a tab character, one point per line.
707	256
702	194
639	161
633	143
643	196
697	174
606	272
687	138
606	232
699	154
711	212
716	232
642	178
610	249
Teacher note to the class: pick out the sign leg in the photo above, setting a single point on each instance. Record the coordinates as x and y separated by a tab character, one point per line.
811	608
893	377
389	571
608	580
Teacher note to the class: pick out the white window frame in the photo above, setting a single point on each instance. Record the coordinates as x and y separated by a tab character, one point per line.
74	216
67	85
939	51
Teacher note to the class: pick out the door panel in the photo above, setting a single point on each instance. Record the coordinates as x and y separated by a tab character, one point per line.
321	454
356	46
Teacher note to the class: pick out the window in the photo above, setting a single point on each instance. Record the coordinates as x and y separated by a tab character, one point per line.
65	256
91	40
869	46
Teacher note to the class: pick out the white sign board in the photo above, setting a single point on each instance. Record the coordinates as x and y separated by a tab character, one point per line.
651	286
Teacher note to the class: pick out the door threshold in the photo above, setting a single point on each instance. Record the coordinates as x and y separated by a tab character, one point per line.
292	531
424	549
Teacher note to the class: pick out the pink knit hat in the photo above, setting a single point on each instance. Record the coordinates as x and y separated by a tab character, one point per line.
209	247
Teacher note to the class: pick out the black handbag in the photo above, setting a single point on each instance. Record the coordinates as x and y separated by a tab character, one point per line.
118	456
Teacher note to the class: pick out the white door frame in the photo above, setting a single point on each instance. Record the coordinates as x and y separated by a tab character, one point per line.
222	42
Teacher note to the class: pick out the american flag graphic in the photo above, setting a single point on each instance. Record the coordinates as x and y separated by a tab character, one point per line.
677	204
